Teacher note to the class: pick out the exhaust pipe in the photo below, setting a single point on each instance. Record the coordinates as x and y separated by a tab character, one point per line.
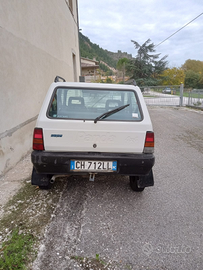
52	180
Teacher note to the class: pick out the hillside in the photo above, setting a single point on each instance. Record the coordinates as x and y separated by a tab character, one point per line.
91	50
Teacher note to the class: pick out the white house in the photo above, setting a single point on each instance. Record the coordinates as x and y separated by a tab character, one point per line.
38	40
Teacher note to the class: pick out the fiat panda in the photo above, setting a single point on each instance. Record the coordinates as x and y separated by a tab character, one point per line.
92	129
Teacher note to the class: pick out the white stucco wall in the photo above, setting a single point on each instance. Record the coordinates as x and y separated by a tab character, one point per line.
37	41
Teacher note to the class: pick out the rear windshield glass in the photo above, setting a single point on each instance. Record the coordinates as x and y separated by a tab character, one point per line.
88	104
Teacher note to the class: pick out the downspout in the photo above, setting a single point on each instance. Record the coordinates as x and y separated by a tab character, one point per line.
78	39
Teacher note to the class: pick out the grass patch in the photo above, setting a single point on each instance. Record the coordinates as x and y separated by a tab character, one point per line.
149	96
23	224
15	251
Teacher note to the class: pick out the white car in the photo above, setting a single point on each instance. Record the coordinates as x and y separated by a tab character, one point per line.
166	90
89	128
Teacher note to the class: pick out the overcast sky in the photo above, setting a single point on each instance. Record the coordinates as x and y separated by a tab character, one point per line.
112	24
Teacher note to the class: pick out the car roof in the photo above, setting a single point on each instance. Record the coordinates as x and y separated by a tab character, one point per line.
95	85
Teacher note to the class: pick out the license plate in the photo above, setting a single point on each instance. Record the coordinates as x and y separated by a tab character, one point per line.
93	166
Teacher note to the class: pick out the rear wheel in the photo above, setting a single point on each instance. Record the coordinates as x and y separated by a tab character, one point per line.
134	184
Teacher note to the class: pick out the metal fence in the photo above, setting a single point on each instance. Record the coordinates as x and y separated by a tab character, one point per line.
173	95
195	98
162	95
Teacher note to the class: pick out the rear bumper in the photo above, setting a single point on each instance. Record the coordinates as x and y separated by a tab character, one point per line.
59	162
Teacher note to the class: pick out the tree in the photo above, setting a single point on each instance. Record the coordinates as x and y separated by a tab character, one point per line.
195	65
200	83
192	79
173	76
122	65
146	68
105	69
109	80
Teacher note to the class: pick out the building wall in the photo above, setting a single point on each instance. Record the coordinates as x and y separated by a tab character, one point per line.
89	61
38	40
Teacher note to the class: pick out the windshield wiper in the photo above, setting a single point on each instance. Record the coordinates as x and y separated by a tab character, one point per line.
107	114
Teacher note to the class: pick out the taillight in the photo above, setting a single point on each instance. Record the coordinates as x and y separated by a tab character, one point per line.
149	142
38	143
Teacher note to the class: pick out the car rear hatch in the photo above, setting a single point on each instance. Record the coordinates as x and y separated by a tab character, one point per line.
85	136
107	119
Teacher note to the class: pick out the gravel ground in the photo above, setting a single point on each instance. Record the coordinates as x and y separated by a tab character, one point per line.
12	181
105	225
160	228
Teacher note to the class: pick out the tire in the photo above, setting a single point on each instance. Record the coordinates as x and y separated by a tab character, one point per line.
134	184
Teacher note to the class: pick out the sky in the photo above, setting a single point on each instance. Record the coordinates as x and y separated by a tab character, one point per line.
112	24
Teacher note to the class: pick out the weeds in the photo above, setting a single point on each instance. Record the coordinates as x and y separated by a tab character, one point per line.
198	103
15	251
24	222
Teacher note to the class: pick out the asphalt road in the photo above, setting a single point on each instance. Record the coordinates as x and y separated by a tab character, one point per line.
159	229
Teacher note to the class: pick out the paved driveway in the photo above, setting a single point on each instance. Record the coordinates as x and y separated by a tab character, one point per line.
160	228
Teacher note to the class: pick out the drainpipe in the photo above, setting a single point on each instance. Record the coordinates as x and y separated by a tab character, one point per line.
80	76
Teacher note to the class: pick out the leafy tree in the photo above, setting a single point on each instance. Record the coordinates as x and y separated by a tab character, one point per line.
146	68
193	73
109	72
122	65
109	80
200	83
192	79
173	76
104	68
195	65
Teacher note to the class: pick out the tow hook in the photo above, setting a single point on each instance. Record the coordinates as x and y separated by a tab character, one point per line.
92	177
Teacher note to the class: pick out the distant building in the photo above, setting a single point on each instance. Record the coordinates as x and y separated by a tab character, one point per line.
89	69
39	40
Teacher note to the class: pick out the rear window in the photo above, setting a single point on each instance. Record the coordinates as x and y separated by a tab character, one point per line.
88	104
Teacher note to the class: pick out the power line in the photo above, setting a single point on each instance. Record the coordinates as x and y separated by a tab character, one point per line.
178	30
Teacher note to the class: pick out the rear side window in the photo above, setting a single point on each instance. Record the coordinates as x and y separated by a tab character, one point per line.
87	104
